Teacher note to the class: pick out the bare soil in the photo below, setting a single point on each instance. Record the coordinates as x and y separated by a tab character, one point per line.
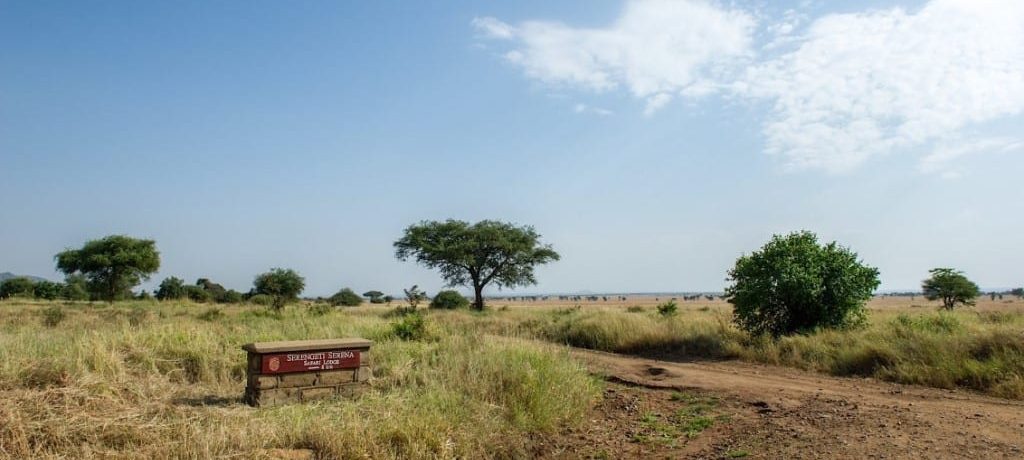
770	412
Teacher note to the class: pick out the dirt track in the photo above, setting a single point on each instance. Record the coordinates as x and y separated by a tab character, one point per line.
787	413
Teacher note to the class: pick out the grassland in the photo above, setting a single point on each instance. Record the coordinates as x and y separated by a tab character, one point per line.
163	380
981	349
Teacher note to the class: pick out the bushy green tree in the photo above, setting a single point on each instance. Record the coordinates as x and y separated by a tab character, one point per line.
951	287
75	288
282	285
449	299
346	298
47	290
793	284
17	287
171	288
112	265
475	255
230	296
1019	292
197	294
215	290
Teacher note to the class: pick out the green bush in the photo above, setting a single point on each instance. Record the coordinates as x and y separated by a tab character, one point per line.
346	298
16	287
668	308
635	309
53	315
411	327
449	300
262	299
230	296
171	288
197	294
75	288
793	284
282	285
47	290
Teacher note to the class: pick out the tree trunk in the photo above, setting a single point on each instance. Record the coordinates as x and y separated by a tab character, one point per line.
478	302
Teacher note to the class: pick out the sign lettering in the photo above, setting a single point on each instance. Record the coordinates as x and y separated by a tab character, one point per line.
304	361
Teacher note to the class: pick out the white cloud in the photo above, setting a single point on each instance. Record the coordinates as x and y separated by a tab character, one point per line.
857	86
941	158
656	48
587	109
842	89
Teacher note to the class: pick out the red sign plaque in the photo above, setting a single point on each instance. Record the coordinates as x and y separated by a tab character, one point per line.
304	361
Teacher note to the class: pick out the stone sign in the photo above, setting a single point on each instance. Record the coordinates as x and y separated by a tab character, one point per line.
302	370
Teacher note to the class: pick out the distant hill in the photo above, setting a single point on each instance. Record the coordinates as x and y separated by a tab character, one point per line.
8	275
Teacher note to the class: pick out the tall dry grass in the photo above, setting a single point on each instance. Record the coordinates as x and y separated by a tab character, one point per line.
983	351
164	381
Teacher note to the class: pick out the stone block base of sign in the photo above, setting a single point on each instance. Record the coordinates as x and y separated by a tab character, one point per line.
306	370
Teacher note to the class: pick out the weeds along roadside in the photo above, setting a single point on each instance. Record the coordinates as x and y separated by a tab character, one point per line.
981	351
109	381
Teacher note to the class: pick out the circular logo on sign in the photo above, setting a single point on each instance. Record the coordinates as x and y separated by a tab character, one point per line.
274	364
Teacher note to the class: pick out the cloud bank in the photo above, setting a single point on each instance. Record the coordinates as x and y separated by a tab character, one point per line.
839	90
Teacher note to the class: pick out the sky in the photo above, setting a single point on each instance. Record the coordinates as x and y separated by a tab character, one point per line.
650	142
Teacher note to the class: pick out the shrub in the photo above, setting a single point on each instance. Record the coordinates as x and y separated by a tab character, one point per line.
47	290
793	284
171	288
283	285
410	327
16	287
346	298
262	299
75	288
52	316
197	294
230	296
449	300
668	308
414	296
635	309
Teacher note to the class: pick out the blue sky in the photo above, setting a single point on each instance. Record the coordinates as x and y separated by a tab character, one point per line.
650	142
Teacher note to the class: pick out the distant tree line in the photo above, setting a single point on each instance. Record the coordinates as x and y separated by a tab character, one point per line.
792	284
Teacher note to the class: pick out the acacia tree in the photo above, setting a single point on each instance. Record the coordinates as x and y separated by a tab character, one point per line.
950	286
283	285
112	265
475	255
374	296
794	284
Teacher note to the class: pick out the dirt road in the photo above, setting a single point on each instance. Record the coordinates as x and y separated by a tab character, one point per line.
786	413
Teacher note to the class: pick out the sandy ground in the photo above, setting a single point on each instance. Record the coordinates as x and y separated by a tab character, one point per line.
774	412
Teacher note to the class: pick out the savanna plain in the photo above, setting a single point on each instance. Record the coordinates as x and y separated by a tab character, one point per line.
604	379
